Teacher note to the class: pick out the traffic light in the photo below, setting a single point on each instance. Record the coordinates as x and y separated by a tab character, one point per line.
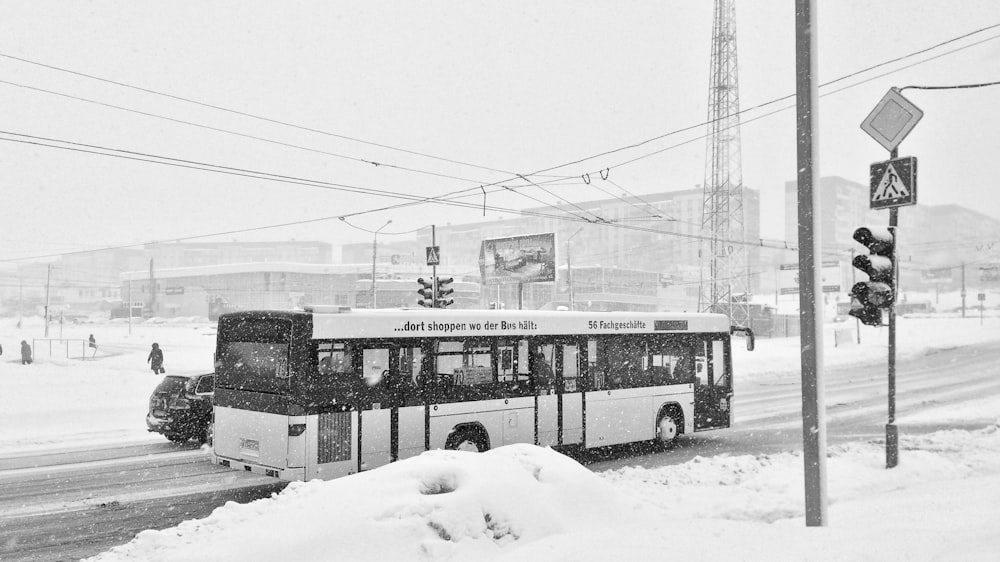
426	292
869	298
444	290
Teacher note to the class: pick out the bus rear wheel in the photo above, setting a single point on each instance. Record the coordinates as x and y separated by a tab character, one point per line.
667	430
466	440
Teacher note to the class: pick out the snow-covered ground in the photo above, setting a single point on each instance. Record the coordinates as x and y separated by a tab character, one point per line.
528	503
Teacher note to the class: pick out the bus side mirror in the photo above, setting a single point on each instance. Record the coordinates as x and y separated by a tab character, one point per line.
747	332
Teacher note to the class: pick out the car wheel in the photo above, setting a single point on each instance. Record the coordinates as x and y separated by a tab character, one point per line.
466	440
177	438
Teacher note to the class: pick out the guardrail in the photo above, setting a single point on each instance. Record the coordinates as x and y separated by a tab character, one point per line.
59	345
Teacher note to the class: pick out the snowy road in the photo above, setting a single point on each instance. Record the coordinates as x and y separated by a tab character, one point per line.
76	503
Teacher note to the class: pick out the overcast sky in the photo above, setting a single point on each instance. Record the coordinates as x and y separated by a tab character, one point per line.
471	93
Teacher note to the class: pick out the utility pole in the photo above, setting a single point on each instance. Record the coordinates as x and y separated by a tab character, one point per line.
374	251
48	279
130	306
963	289
569	270
857	321
813	402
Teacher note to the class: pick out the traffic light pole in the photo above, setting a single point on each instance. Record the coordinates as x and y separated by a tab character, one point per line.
434	270
891	432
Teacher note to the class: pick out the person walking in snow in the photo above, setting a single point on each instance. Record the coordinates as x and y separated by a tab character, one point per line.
25	353
155	360
93	345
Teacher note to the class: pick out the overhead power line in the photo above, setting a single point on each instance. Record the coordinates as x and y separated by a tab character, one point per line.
450	198
957	87
253	116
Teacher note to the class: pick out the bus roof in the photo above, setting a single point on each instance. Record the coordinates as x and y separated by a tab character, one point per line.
340	323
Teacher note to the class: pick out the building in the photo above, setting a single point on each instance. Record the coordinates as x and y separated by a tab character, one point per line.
934	241
656	234
215	289
89	282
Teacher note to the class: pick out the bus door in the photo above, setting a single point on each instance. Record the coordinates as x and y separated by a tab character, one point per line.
569	364
543	379
713	391
556	369
392	413
375	431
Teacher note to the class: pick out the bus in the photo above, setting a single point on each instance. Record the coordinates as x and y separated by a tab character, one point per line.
330	391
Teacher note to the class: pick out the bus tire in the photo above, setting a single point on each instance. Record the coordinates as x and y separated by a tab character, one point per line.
669	426
466	439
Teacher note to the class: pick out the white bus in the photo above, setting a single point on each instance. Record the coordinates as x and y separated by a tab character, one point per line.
332	391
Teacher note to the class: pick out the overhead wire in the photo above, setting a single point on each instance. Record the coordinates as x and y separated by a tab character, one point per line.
440	198
251	115
239	134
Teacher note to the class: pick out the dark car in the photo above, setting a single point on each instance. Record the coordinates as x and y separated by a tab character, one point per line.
181	408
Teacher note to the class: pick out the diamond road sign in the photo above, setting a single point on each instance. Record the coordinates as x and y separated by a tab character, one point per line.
893	183
892	119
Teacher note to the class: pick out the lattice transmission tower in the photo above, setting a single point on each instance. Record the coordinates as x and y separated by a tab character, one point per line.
724	278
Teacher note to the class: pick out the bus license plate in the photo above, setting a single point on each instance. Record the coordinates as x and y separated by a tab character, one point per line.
250	446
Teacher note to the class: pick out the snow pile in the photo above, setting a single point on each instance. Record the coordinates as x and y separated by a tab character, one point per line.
440	505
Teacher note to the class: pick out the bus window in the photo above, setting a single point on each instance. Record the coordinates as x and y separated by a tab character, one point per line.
542	371
410	361
624	359
333	358
374	362
570	367
701	362
719	375
523	365
464	363
671	361
595	365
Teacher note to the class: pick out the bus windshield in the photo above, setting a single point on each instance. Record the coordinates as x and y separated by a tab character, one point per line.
254	355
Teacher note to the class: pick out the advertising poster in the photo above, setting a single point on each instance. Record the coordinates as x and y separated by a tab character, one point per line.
518	259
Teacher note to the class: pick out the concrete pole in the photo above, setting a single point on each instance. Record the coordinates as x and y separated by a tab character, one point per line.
374	253
48	279
811	312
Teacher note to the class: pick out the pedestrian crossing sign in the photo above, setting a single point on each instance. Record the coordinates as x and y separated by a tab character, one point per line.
433	255
893	183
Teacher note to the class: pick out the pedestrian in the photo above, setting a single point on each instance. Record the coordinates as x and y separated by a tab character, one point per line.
93	345
25	353
155	360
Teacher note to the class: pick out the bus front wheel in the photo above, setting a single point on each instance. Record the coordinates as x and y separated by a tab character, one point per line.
668	429
466	440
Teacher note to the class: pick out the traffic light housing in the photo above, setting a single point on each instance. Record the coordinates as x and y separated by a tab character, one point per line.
426	292
870	298
444	290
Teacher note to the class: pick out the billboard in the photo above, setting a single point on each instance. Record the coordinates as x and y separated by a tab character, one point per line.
518	259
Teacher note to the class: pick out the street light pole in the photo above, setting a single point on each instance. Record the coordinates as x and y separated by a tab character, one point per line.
569	270
374	250
48	280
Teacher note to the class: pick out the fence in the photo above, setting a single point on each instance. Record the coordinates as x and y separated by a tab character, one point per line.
776	326
69	346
